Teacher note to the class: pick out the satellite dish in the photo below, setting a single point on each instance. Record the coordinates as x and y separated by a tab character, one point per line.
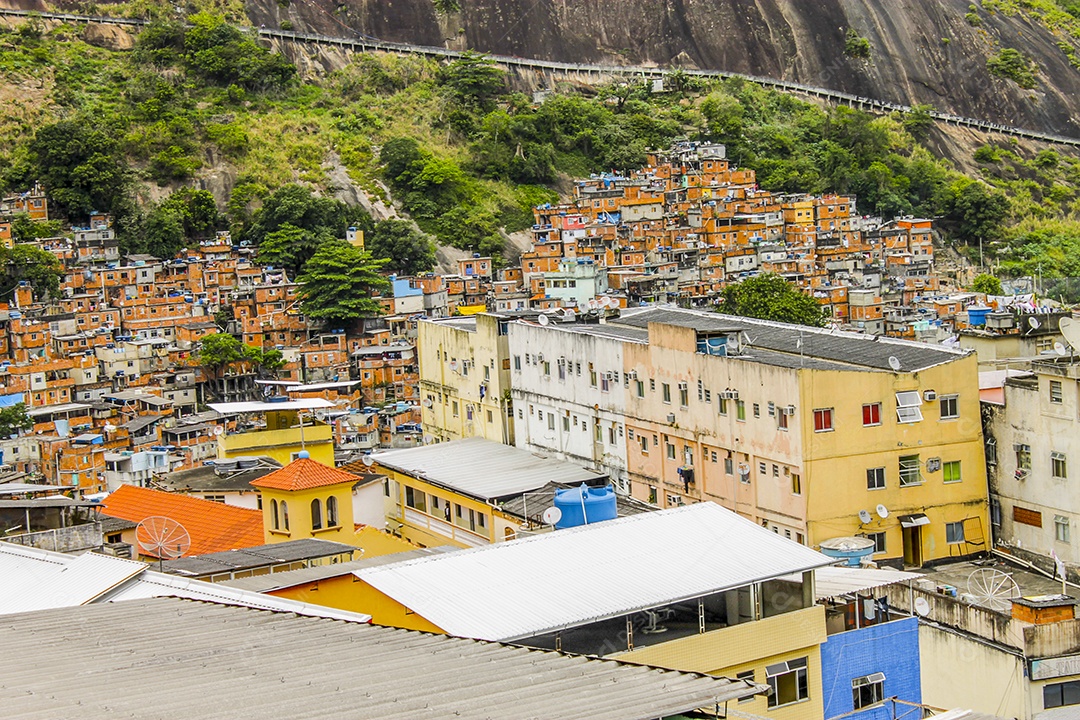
993	589
922	607
1071	330
218	429
552	515
543	320
569	314
894	363
162	537
864	516
428	439
882	511
453	365
1033	323
428	402
1058	348
368	462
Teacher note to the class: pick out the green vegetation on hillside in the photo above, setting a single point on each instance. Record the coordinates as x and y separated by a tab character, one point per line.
132	133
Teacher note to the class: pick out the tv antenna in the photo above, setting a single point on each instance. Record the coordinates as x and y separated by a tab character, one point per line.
894	363
992	589
163	538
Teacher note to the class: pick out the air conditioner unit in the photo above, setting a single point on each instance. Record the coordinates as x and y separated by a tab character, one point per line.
929	396
728	394
682	386
671	418
789	410
632	374
609	375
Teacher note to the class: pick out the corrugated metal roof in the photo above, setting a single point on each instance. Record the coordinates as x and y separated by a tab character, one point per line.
177	658
40	578
242	407
846	348
256	557
837	580
484	469
527	587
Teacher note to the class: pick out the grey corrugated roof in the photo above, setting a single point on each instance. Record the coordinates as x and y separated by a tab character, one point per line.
570	578
292	578
256	557
167	657
847	348
484	469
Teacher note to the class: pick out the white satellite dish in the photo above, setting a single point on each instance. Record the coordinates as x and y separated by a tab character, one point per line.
864	516
368	462
453	365
569	314
552	515
428	402
1033	323
922	607
1071	330
882	511
993	588
218	429
428	439
543	320
1060	349
162	537
894	363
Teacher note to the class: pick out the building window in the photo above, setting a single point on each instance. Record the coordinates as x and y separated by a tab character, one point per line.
909	470
684	395
670	451
316	514
454	408
274	518
551	421
781	419
951	471
331	512
746	676
954	533
879	540
652	495
757	410
995	511
592	375
722	406
950	407
1023	457
908	408
788	682
640	385
796	484
871	414
644	444
285	515
991	451
665	390
566	422
1061	528
415	499
1058	468
1061	694
740	411
823	420
605	382
1055	392
875	478
867	690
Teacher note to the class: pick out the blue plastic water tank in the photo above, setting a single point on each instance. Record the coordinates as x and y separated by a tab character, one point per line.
977	315
580	505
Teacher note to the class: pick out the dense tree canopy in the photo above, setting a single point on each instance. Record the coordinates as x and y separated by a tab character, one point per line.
339	281
771	297
13	418
986	283
406	250
29	263
80	163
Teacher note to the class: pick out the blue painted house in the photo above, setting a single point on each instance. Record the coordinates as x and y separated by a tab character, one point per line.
863	666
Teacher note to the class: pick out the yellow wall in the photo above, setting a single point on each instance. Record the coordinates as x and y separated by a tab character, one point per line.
299	503
281	443
751	646
959	672
347	592
494	520
836	462
440	342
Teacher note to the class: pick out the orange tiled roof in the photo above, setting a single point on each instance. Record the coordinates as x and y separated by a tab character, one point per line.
213	527
304	474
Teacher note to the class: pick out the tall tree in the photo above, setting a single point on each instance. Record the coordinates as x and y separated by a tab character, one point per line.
13	418
474	80
406	250
771	297
80	164
339	281
219	350
290	247
38	267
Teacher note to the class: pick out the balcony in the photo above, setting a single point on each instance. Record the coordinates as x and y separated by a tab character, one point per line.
459	535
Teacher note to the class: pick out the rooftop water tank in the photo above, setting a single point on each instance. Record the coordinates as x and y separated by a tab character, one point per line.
977	315
583	505
851	549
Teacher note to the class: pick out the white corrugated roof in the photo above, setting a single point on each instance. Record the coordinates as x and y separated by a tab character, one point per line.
839	580
241	407
482	468
35	579
527	587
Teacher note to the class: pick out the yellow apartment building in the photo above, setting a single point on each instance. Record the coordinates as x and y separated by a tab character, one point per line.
290	428
812	433
449	493
465	378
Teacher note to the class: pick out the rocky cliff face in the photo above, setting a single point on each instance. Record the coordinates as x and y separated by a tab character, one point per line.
922	51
